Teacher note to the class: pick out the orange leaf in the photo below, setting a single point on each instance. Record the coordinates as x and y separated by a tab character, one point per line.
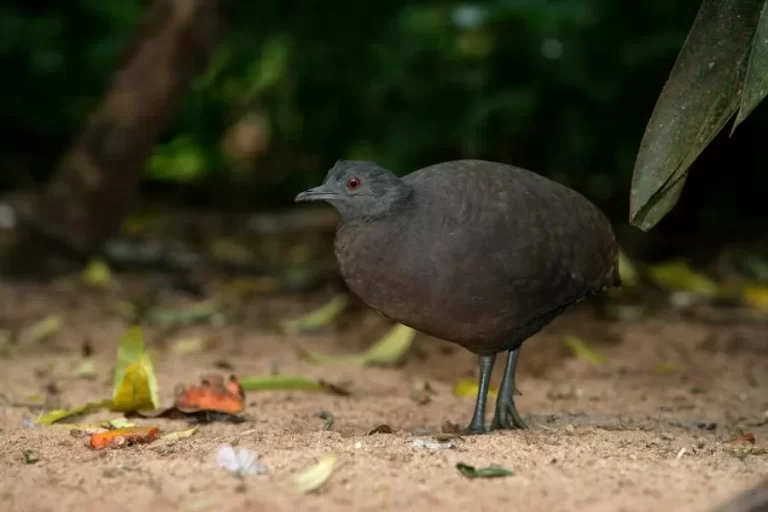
121	437
749	437
213	394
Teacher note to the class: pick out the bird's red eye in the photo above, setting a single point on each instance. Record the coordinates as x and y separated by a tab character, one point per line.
353	183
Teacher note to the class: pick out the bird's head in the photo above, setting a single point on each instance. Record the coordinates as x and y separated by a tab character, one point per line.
360	189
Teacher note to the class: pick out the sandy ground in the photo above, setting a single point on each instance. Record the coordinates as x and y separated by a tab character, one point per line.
624	436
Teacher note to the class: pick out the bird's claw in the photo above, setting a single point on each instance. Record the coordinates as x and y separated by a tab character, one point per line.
509	420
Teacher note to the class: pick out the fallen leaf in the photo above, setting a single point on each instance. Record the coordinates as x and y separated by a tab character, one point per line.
469	387
42	330
121	437
189	345
487	472
125	309
212	394
755	296
135	385
289	382
230	251
181	434
59	414
118	423
312	478
627	270
30	457
677	275
97	274
183	315
749	437
327	416
316	319
381	429
392	347
388	350
582	351
86	369
669	367
240	463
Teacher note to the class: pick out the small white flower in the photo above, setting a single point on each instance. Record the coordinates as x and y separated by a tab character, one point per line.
241	462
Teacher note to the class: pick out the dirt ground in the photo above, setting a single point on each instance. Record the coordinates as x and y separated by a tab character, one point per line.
649	430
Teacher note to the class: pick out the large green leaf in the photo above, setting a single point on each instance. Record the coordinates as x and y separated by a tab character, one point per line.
756	82
700	96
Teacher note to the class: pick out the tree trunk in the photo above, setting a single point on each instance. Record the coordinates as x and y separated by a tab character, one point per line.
96	184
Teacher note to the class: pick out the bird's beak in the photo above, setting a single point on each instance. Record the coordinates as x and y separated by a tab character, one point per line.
321	193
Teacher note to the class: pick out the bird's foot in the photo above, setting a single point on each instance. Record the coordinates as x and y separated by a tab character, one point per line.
507	418
473	430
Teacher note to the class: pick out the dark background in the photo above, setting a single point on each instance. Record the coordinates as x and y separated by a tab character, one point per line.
564	88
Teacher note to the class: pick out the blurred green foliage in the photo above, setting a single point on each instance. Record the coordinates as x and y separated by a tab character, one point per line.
563	87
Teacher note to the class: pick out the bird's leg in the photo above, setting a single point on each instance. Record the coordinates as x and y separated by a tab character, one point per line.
477	426
506	416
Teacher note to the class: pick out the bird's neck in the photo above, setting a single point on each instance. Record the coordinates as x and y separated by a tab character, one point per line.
399	204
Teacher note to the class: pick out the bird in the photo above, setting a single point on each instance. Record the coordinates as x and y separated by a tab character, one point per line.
477	253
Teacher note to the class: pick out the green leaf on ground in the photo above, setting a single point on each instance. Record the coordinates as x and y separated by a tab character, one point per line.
487	472
312	478
135	385
60	414
389	350
677	275
317	319
582	351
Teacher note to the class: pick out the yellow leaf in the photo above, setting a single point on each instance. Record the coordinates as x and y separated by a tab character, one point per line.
469	388
86	370
181	434
135	385
188	345
581	350
388	350
755	296
60	414
318	318
627	270
669	367
678	276
230	251
392	347
184	315
96	274
281	382
125	309
118	423
41	330
290	382
315	476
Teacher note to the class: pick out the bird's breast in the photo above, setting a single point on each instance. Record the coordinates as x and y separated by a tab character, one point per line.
419	282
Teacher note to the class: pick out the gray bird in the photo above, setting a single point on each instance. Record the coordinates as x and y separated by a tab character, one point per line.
477	253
